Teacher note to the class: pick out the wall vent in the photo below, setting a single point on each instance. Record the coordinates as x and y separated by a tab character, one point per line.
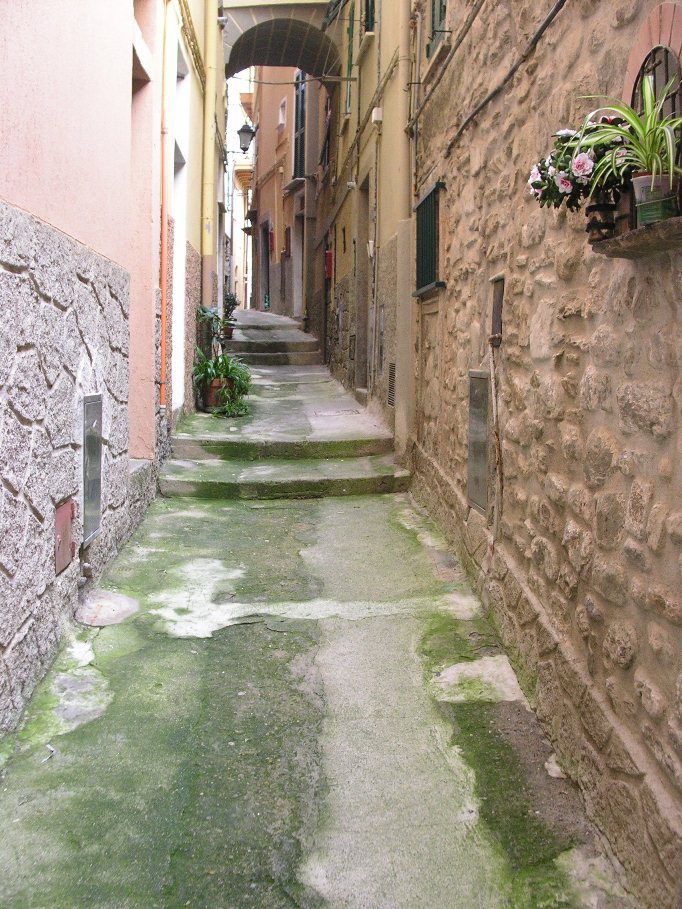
92	466
477	462
391	384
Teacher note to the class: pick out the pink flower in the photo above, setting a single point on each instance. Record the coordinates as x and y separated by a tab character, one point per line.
534	176
582	165
563	183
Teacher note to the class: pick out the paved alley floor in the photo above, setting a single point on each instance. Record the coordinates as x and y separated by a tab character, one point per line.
302	706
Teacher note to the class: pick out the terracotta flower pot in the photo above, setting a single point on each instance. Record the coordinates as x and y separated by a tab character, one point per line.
212	396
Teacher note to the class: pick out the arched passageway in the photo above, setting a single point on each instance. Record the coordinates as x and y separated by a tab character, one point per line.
279	34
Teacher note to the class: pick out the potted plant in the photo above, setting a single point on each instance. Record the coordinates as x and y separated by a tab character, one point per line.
565	177
644	145
230	303
221	384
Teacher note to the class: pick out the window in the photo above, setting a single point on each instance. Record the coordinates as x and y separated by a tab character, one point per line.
663	65
349	62
438	11
368	16
427	241
299	126
282	114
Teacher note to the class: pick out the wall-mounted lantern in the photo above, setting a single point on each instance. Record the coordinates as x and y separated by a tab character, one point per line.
246	134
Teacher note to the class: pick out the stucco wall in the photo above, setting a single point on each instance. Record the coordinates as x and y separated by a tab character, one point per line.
63	334
71	170
584	577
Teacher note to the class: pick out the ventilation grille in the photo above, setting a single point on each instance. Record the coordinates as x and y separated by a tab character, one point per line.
391	384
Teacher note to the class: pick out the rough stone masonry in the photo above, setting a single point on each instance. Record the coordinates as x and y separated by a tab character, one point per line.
585	574
63	334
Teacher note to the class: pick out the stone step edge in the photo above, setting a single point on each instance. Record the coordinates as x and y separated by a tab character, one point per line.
196	449
310	488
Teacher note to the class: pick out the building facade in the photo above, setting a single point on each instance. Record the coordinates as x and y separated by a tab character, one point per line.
101	175
532	382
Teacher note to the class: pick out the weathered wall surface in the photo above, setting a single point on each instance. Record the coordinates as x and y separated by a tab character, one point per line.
192	300
63	335
585	574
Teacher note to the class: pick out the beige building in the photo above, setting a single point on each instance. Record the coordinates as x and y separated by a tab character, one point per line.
278	113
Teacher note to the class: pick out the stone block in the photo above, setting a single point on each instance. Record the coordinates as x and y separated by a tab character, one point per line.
571	678
636	555
600	455
620	645
655	527
608	579
594	719
609	519
638	508
652	698
579	545
595	390
606	347
662	644
27	391
664	602
673	525
646	406
664	829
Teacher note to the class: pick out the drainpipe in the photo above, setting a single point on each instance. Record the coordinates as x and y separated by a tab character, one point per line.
404	77
208	177
405	391
163	258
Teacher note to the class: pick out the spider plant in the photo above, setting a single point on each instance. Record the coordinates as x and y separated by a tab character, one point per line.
644	144
234	377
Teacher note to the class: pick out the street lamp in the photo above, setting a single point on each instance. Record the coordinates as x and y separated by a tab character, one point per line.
246	134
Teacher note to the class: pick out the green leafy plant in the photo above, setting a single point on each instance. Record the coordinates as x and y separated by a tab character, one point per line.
230	303
646	143
235	378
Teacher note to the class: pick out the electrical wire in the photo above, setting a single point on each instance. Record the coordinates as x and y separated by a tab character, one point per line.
530	47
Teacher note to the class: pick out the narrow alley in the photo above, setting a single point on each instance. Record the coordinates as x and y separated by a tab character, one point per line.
284	693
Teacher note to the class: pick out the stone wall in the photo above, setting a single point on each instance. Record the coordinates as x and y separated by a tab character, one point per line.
63	335
192	301
580	554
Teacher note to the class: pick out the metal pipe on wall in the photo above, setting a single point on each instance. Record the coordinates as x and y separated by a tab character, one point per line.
208	204
163	257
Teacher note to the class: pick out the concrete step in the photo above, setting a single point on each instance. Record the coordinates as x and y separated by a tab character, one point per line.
292	479
294	358
254	448
240	346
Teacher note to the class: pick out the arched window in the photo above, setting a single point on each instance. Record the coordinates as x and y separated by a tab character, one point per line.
662	65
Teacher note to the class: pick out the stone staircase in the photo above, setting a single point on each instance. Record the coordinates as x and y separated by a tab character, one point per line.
305	436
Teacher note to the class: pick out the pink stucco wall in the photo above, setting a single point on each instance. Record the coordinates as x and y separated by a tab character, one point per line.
65	86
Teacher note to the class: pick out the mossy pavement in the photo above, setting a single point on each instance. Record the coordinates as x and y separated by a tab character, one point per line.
272	729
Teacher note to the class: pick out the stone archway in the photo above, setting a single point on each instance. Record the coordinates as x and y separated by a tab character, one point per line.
279	34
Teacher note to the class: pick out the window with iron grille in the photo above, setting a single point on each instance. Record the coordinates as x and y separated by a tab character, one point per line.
428	241
349	61
438	11
368	16
299	126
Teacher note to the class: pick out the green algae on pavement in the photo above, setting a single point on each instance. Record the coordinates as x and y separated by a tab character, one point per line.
197	784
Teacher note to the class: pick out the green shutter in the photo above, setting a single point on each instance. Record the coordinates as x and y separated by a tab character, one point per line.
427	240
349	64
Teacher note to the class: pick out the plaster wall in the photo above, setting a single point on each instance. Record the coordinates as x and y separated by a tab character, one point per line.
70	170
583	574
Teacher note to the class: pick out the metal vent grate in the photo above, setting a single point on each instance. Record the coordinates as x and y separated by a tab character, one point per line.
391	384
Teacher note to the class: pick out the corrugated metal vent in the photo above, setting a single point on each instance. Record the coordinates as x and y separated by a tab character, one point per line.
391	384
92	466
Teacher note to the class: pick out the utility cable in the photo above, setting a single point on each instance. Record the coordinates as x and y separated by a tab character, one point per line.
530	47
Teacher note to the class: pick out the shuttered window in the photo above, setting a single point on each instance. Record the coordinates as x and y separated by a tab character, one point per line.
349	59
299	126
438	12
427	241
